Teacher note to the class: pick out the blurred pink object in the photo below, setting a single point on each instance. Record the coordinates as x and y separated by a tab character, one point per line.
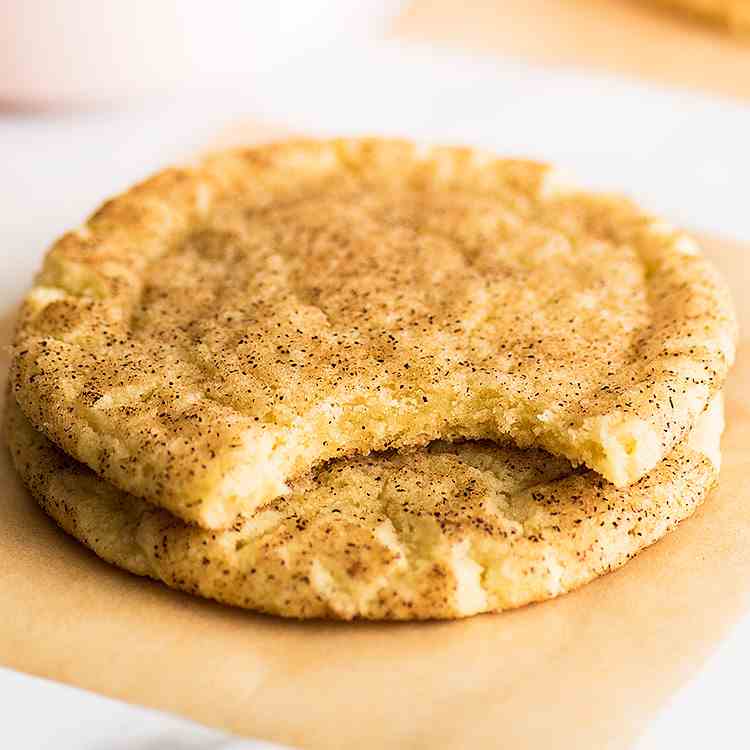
55	52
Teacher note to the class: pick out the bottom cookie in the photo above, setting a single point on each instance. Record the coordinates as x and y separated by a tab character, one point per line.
442	532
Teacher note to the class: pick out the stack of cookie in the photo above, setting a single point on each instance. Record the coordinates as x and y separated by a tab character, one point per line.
734	14
366	379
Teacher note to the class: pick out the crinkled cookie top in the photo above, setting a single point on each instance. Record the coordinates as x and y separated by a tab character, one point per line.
217	331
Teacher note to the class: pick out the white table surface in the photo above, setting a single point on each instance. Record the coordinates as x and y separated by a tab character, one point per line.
684	155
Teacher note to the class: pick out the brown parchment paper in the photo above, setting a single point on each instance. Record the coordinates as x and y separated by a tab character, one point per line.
633	37
587	670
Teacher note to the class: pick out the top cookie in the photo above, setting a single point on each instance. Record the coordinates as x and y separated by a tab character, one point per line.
218	330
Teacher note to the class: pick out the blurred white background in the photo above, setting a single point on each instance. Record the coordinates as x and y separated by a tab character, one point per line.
84	51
